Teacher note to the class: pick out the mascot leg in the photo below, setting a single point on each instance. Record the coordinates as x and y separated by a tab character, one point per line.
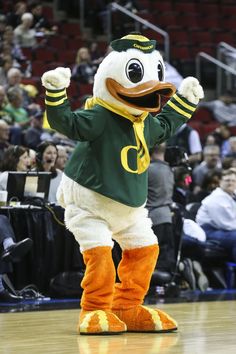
98	284
135	271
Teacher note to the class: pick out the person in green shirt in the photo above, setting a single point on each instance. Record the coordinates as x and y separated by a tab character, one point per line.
19	115
104	187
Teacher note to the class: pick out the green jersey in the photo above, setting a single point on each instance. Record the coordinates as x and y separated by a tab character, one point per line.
105	158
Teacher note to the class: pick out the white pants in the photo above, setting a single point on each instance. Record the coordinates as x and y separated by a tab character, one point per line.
95	219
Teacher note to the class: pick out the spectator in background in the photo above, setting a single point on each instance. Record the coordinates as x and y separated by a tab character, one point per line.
95	53
15	109
228	162
189	139
45	161
159	200
15	50
223	108
15	158
222	134
62	157
15	131
183	180
230	151
4	137
2	26
217	214
14	18
40	22
6	65
210	139
3	102
14	77
83	71
211	161
210	182
35	134
24	35
160	190
32	159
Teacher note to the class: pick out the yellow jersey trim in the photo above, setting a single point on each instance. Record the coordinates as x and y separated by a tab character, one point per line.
178	99
179	110
56	94
57	103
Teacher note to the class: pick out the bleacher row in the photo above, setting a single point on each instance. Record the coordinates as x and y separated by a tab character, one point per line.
193	26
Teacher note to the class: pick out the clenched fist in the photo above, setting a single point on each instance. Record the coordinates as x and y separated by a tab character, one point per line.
191	89
56	79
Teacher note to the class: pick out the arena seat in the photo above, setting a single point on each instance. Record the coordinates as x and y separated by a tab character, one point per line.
161	6
58	42
75	43
44	54
48	12
70	29
85	89
38	68
198	126
200	37
228	10
209	128
179	36
203	115
181	52
67	57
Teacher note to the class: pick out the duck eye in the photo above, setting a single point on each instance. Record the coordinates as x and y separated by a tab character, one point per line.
134	70
160	71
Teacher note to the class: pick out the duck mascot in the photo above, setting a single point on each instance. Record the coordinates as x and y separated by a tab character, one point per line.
104	186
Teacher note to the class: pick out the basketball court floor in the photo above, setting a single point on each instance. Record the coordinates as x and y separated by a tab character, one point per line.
207	325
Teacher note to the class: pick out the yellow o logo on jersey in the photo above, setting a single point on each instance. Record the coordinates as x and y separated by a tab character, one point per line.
124	157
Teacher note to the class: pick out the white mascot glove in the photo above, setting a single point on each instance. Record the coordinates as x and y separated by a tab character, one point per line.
191	89
56	79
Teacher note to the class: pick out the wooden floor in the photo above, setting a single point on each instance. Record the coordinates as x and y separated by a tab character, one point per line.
204	328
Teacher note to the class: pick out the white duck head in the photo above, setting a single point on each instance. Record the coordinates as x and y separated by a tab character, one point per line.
132	76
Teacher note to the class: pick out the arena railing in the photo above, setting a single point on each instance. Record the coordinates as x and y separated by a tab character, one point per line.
138	22
204	56
226	53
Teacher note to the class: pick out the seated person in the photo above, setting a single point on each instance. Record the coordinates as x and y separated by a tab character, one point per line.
14	79
211	162
12	251
223	108
46	157
40	22
83	70
210	182
15	158
217	214
189	139
24	35
35	134
15	109
4	137
182	193
62	157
